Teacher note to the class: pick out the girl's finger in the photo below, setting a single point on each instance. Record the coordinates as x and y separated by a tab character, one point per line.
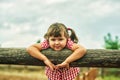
51	68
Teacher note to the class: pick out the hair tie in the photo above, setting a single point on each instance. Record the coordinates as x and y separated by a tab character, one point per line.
68	28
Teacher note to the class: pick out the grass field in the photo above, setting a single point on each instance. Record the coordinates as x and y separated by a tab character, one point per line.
22	73
14	72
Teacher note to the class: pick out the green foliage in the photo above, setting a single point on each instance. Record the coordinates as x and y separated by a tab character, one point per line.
38	41
110	43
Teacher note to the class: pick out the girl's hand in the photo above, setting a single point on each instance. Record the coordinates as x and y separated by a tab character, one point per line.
63	65
50	64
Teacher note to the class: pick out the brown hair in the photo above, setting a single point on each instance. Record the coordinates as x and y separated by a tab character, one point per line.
55	30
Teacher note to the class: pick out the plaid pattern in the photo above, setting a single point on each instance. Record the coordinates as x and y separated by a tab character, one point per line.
69	43
63	73
45	44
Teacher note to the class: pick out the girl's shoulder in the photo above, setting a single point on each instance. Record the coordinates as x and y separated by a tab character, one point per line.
69	43
44	44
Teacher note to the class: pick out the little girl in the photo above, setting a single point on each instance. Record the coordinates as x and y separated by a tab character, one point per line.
57	38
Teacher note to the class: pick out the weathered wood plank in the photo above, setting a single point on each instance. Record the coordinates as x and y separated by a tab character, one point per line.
93	57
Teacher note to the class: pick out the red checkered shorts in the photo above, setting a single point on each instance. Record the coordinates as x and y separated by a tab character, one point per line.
62	74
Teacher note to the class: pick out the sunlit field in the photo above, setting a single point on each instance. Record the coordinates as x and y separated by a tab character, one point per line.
22	73
15	72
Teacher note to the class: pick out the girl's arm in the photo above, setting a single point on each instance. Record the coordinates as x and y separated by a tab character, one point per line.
34	50
78	52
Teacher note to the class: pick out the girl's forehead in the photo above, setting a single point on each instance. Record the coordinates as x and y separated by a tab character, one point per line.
61	33
58	35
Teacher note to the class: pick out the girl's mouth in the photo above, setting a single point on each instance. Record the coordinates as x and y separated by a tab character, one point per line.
57	46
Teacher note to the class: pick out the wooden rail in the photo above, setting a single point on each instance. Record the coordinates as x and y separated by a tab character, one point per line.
93	57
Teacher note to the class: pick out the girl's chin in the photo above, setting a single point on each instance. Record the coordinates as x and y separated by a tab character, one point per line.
57	49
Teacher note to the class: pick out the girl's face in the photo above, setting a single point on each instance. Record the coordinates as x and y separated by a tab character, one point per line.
57	43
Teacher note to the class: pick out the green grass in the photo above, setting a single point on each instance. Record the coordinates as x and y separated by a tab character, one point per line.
112	77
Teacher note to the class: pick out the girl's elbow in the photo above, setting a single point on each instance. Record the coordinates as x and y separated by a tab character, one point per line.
84	50
29	49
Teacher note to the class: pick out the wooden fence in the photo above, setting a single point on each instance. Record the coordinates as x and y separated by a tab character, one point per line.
93	57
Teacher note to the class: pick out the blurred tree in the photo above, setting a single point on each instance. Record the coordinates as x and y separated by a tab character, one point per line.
110	43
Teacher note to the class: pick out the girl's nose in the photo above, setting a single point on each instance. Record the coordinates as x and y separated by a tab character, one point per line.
56	42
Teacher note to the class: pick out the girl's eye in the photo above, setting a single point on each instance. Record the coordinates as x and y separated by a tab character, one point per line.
60	39
52	39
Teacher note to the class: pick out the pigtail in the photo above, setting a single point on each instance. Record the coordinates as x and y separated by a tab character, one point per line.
73	35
